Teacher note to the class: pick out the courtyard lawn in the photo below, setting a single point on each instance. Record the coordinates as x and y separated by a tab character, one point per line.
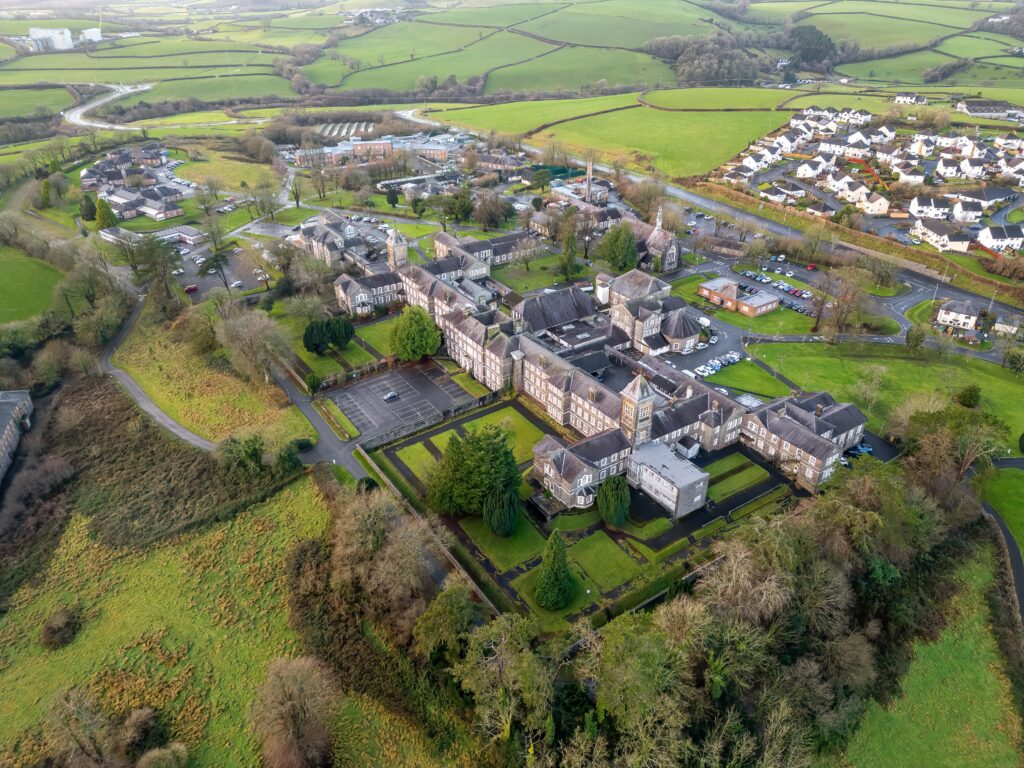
524	433
27	285
355	355
471	385
748	377
543	272
441	440
604	561
724	465
293	330
585	595
780	322
839	369
418	459
956	707
200	392
732	484
378	335
525	542
291	215
686	288
577	520
924	312
1005	492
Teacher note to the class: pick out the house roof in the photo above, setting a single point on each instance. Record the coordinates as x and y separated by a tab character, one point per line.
548	310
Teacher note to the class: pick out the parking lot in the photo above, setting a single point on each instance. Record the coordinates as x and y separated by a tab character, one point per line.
424	391
199	275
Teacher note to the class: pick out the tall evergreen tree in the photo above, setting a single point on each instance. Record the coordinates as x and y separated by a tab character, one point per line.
567	261
555	585
618	248
87	209
105	217
414	335
501	512
613	501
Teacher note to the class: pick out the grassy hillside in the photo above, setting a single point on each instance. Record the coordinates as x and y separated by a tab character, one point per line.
27	286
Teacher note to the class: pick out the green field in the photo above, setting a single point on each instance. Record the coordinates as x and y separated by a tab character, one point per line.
747	377
569	69
520	117
956	709
542	273
604	561
217	87
404	41
418	459
496	15
874	31
839	369
972	46
523	432
378	335
738	481
476	59
924	312
505	553
777	13
879	13
1005	492
620	22
188	627
293	329
24	102
677	143
908	68
27	286
717	98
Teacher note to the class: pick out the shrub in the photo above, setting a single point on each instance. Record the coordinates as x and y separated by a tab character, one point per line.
60	628
303	444
969	396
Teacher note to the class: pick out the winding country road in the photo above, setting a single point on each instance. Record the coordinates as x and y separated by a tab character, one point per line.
77	115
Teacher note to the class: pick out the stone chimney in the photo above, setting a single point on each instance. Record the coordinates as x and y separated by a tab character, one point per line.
819	409
592	394
714	405
689	391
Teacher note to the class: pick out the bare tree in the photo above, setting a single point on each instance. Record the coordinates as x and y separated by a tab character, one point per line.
293	714
253	341
296	190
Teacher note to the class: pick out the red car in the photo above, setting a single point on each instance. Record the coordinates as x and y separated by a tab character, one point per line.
192	288
811	267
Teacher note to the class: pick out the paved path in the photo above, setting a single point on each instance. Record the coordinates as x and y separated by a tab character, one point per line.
1012	546
137	393
329	448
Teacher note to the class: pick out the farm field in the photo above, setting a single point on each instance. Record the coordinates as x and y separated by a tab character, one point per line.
403	41
972	46
717	98
26	101
496	15
949	14
493	51
203	396
214	88
520	117
871	31
619	23
907	69
679	144
572	68
838	369
22	26
27	286
163	47
777	13
956	706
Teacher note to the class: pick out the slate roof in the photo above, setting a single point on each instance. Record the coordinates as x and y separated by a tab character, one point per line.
548	310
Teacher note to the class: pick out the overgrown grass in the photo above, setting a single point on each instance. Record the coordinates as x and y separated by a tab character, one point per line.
956	707
200	391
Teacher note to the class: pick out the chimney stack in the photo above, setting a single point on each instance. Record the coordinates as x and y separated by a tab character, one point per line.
592	394
689	391
819	409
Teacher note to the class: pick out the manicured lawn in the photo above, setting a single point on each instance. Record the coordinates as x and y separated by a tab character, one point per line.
524	434
956	708
765	505
525	543
202	393
839	369
780	322
733	484
291	215
293	328
339	416
604	561
471	385
710	529
188	626
27	285
378	334
924	312
726	464
576	521
543	272
441	440
586	594
686	288
417	458
355	355
748	377
1005	492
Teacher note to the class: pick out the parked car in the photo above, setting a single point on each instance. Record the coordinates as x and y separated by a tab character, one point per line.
789	273
178	271
702	345
238	284
811	267
192	288
713	340
390	396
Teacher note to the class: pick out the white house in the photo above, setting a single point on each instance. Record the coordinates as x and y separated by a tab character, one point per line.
1010	237
910	174
929	207
967	211
809	169
947	168
973	169
874	205
854	192
958	314
941	236
909	98
1007	325
1010	142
